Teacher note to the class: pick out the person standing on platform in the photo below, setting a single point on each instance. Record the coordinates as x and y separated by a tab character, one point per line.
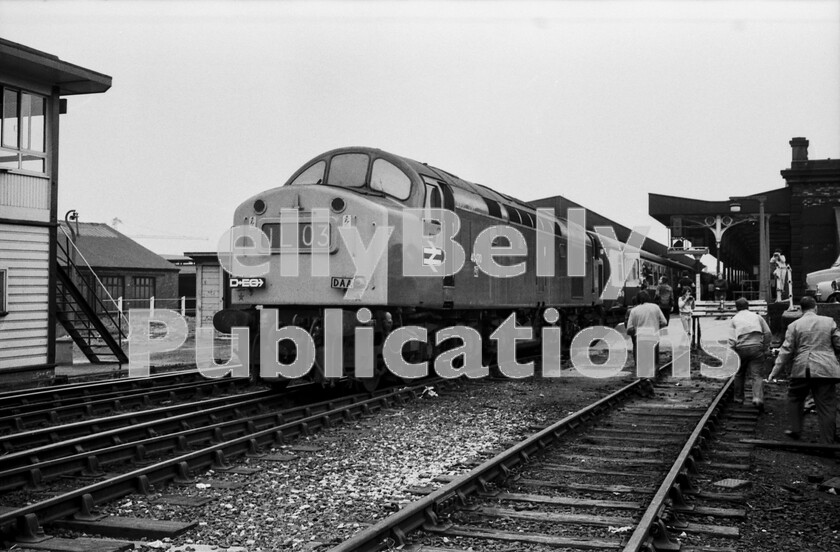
751	338
721	287
665	298
809	347
686	306
686	282
644	315
781	274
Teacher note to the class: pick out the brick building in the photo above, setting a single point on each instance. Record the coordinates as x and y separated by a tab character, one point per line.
814	187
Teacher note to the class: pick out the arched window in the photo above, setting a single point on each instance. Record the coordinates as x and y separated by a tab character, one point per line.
385	177
312	175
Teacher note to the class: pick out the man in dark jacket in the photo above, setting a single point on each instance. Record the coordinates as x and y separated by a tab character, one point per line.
665	298
809	347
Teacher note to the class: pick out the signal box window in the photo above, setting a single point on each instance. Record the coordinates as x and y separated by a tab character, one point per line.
4	297
387	178
23	131
312	175
144	287
348	170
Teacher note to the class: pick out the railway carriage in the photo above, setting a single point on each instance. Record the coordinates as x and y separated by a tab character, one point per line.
314	217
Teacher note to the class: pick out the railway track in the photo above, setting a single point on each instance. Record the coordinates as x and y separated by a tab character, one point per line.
637	470
57	394
168	447
63	410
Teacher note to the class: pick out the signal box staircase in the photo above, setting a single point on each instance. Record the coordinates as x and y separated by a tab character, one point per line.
95	329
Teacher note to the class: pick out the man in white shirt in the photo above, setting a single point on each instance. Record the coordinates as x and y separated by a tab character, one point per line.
644	315
750	338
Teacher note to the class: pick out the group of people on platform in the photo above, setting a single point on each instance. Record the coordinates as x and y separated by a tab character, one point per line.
809	350
719	288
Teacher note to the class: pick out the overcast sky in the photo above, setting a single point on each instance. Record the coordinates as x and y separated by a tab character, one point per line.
602	102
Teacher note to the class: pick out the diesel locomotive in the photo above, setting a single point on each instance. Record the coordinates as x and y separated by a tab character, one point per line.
360	206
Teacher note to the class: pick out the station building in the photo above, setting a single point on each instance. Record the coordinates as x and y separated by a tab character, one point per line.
802	220
212	291
34	86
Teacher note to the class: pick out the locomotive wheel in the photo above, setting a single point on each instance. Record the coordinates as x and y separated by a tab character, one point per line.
254	369
367	385
394	379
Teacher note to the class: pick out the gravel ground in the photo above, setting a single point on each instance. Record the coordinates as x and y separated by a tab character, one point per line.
786	511
353	475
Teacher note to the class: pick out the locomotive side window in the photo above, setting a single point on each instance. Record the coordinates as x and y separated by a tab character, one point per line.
527	219
387	178
513	213
348	170
434	199
312	175
469	201
493	207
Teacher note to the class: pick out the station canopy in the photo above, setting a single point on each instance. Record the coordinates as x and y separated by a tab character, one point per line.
692	224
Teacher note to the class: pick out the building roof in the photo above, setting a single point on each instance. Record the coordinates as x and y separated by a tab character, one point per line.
104	247
663	207
694	220
184	264
17	59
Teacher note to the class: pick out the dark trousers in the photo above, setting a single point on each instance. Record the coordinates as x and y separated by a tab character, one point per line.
666	310
752	367
636	352
825	401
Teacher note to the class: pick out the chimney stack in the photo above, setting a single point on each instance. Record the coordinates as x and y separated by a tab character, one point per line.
799	147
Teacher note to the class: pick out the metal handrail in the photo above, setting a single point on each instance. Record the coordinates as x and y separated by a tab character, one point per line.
70	263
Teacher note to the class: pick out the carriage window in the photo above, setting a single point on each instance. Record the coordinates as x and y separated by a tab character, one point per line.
312	175
348	170
387	178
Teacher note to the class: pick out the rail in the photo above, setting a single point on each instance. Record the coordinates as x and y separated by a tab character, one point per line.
650	533
25	522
